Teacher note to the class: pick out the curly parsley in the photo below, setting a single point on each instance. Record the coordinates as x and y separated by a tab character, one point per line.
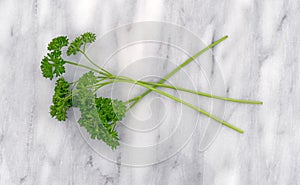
61	100
100	115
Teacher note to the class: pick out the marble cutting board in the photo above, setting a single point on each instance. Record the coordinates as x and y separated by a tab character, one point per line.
260	60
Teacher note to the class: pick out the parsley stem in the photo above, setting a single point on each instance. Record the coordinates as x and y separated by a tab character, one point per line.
131	100
99	85
189	60
84	66
183	102
84	46
193	107
202	93
92	62
186	90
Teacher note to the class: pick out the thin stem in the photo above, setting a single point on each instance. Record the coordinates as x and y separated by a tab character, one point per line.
183	102
92	62
86	67
104	83
114	126
96	86
189	60
131	100
186	90
193	107
84	46
202	93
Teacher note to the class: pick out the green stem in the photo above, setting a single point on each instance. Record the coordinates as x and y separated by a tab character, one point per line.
84	66
185	90
201	93
92	62
189	60
98	86
84	46
183	102
131	100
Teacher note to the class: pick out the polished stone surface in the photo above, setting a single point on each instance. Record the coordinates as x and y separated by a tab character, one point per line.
260	60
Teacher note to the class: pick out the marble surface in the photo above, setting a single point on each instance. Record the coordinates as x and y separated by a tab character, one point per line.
260	60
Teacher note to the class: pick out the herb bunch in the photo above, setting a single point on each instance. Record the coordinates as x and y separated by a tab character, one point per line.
100	115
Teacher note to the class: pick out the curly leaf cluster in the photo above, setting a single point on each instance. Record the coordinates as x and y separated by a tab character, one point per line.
88	37
110	111
61	100
79	41
58	43
75	46
52	64
85	100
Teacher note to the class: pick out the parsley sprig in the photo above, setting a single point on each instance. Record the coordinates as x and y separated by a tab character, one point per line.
62	101
100	115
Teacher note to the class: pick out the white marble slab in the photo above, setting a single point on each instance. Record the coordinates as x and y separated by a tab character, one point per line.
260	60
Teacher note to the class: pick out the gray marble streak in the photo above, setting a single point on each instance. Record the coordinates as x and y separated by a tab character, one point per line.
260	60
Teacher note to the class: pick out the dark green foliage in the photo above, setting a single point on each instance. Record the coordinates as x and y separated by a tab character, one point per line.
61	100
58	43
79	41
88	37
85	100
47	68
110	111
75	46
99	124
53	64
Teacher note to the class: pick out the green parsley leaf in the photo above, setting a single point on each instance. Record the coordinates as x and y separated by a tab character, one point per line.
47	68
110	110
58	43
62	101
85	100
75	46
53	64
88	37
79	41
